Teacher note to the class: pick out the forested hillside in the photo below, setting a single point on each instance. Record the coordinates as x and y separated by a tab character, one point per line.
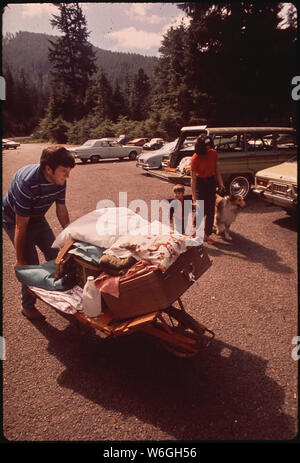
231	65
29	51
26	68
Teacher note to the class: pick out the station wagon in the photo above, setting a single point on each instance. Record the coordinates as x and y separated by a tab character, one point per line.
242	151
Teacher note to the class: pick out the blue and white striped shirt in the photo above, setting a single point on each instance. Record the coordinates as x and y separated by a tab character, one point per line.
30	194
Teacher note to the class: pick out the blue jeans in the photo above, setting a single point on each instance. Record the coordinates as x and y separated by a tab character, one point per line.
38	234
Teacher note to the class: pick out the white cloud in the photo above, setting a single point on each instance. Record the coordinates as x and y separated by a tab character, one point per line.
34	10
131	38
142	12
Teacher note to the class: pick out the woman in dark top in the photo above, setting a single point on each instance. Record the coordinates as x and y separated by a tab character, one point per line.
204	174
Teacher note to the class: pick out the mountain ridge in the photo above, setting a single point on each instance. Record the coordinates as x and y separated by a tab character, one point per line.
29	51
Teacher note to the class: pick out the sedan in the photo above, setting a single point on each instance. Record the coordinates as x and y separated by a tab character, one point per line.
153	159
94	150
138	141
8	144
154	144
278	185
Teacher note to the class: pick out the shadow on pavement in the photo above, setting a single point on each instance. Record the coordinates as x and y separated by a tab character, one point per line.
290	222
243	248
222	394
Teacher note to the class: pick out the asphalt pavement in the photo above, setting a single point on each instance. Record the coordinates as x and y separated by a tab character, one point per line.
59	385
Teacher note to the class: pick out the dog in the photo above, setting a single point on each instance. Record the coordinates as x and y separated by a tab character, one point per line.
226	210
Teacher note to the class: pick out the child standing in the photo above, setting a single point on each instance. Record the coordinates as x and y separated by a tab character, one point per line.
177	210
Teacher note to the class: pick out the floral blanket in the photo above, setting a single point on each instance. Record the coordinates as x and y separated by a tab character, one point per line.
160	250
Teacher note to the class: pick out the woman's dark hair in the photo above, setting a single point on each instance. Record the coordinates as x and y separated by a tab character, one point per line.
202	143
55	156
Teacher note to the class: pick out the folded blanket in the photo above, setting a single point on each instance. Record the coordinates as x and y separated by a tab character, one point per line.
69	301
43	276
87	251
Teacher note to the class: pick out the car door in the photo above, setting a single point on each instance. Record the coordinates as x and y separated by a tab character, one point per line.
232	158
102	149
116	150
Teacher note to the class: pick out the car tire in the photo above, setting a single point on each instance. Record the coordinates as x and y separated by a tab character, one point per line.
239	184
84	161
132	155
94	158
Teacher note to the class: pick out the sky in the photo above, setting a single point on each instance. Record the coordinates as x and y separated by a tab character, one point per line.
123	27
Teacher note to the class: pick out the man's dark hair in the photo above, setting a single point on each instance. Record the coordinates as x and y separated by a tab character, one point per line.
55	156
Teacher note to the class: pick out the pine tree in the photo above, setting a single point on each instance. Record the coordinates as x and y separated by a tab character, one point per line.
231	65
100	96
72	59
140	96
118	102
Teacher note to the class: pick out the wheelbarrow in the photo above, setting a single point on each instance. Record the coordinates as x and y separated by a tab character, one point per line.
145	304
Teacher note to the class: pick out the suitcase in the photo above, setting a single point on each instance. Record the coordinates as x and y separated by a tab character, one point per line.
146	293
156	290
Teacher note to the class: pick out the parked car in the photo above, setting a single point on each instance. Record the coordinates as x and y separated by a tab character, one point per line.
153	159
278	185
123	139
138	141
94	150
154	144
9	144
242	152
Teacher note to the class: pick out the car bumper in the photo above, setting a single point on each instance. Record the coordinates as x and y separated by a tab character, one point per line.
146	166
278	200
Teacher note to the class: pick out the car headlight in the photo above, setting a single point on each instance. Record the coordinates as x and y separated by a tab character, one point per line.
262	181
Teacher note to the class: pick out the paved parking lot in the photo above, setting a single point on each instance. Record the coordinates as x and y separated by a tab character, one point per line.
58	385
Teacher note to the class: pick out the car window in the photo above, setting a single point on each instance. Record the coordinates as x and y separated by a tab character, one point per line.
260	141
286	141
229	142
167	148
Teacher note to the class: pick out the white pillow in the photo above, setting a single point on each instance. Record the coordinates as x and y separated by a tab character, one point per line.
101	227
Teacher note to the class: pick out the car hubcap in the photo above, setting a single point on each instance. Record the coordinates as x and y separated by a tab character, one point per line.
239	186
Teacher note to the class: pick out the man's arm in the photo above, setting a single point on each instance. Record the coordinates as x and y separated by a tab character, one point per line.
62	214
20	239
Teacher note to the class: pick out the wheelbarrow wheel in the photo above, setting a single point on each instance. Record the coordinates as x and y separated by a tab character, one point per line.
183	328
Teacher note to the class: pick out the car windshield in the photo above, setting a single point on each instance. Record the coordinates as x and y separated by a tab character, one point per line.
167	147
88	143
